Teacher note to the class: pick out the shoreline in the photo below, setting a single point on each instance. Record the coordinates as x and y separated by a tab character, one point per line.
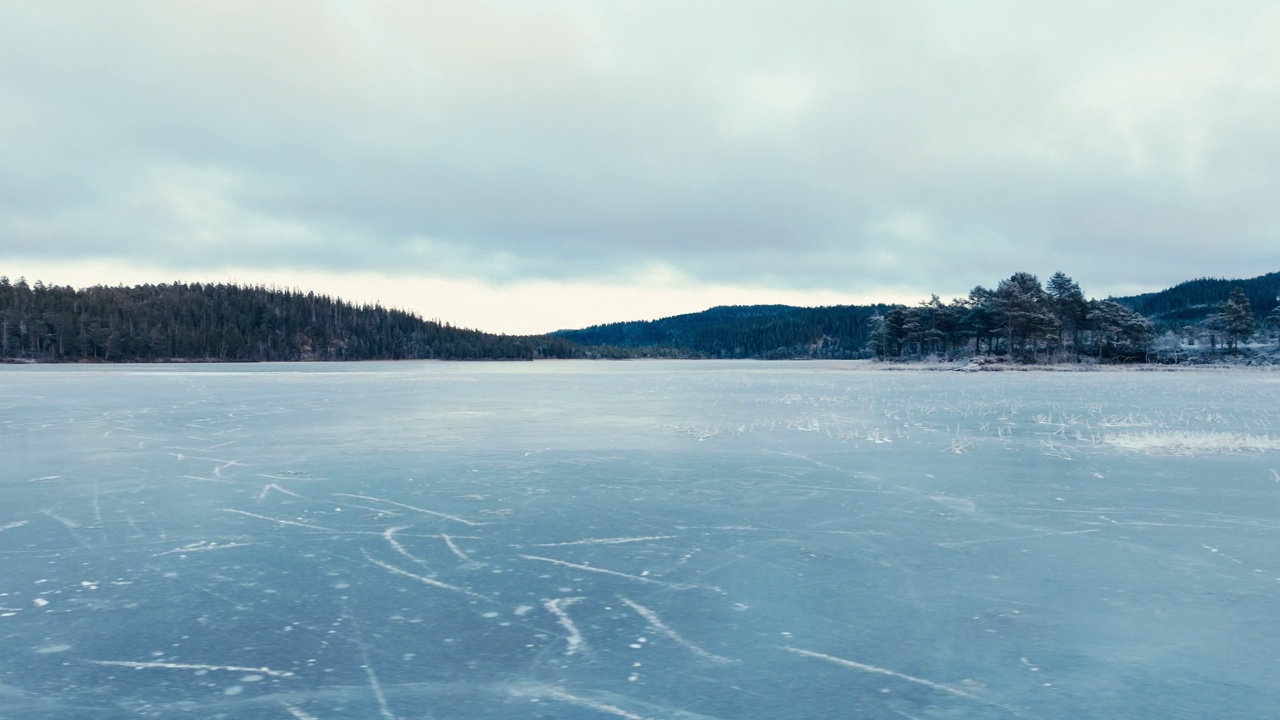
962	366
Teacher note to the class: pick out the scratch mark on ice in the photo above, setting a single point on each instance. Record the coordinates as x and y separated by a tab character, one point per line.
556	607
97	505
191	666
67	522
958	543
424	580
383	708
606	541
448	541
556	693
272	486
309	526
656	622
410	507
217	471
390	534
375	686
202	546
298	713
901	676
603	571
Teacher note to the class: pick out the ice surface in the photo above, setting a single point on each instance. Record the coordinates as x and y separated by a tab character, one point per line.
636	540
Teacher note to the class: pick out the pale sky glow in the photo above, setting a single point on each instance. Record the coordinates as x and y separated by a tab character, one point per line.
497	308
528	166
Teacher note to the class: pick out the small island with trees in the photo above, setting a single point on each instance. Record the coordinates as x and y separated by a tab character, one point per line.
1019	323
1023	321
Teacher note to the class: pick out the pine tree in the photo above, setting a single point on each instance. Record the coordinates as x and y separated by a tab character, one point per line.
980	320
879	335
1117	330
1235	319
1273	322
1025	312
1070	306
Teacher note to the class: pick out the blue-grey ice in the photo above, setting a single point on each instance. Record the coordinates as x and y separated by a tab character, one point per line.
646	539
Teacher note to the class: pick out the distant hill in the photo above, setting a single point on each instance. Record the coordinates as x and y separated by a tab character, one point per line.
745	331
784	331
231	323
668	330
216	322
1195	300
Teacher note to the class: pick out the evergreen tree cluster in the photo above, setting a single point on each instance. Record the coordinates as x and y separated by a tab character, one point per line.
1020	318
1198	300
1228	324
1234	319
230	323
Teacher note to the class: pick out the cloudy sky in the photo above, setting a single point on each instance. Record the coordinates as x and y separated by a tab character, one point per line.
522	166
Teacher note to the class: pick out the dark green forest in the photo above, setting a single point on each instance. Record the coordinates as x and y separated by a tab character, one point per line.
203	322
1019	319
1196	300
770	332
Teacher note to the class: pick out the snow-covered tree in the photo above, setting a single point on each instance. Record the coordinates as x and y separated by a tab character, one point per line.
881	340
1273	322
1117	330
1070	306
1235	319
1026	313
979	320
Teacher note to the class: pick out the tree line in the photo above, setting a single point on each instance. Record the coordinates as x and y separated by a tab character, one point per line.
1018	319
1232	322
1195	301
768	332
219	322
1054	322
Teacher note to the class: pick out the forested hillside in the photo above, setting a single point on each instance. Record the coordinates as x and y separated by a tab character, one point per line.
1196	300
746	331
1019	319
230	323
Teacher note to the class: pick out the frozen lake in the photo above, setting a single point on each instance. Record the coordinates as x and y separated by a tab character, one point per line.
637	540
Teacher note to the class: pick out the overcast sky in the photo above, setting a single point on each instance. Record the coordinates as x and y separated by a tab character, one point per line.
525	166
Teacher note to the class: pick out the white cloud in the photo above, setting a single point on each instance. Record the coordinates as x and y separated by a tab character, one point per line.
529	307
815	147
768	102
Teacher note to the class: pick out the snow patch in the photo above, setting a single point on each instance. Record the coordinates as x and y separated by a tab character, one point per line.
50	649
1180	442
